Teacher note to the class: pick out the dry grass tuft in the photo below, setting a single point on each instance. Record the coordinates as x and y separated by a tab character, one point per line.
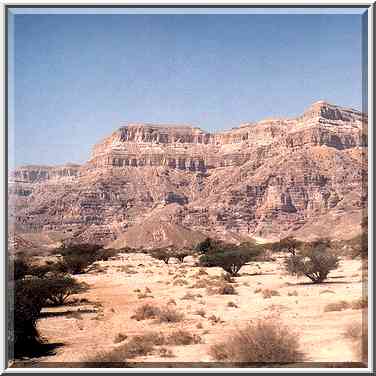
169	315
182	337
120	338
337	306
358	334
146	311
201	312
260	342
360	303
268	293
292	293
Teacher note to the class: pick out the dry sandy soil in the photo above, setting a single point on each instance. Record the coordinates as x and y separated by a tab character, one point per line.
117	289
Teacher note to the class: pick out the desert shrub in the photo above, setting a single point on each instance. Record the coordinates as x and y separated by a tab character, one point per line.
315	260
60	287
268	293
289	244
76	258
165	353
223	289
146	311
182	337
337	306
206	246
181	254
30	295
230	257
232	305
358	334
120	337
180	282
136	346
360	303
162	254
215	319
169	315
260	342
18	267
226	277
189	296
201	312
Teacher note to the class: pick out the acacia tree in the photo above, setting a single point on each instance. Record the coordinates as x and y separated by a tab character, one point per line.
163	254
314	260
230	257
289	244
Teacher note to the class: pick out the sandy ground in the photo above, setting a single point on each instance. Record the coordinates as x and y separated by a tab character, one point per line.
113	300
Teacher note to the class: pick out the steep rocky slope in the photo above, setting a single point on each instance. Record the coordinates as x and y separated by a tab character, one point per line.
305	176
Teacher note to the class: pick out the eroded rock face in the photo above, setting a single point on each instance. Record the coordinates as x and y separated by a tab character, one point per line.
267	179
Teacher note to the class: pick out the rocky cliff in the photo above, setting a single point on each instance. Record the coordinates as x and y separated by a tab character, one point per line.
305	176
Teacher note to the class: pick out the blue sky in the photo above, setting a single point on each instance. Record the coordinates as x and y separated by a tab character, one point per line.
75	78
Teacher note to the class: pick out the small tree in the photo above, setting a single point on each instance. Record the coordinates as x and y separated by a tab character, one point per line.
30	295
61	286
314	260
181	254
163	254
78	257
230	257
289	244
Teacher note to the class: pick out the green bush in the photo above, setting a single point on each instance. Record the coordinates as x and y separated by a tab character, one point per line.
60	287
314	260
230	257
76	258
162	254
30	295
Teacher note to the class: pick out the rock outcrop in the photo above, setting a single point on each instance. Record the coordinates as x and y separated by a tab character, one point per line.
267	179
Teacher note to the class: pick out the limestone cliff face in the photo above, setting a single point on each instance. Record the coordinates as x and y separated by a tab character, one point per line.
266	179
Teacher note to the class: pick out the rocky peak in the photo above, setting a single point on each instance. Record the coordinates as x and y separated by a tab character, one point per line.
322	109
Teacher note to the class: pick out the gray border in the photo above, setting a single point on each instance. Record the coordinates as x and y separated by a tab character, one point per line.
161	6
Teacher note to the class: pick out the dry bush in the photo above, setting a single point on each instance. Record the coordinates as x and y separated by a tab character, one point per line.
260	342
136	346
169	315
327	291
232	305
200	312
259	289
165	353
215	319
180	282
144	295
360	303
358	334
189	296
226	277
292	293
201	272
222	289
199	326
147	290
126	269
146	311
120	337
202	283
182	337
314	260
268	293
337	306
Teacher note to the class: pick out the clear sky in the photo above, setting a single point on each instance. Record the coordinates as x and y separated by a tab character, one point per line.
75	78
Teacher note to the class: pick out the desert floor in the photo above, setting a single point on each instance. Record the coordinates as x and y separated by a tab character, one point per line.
119	286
